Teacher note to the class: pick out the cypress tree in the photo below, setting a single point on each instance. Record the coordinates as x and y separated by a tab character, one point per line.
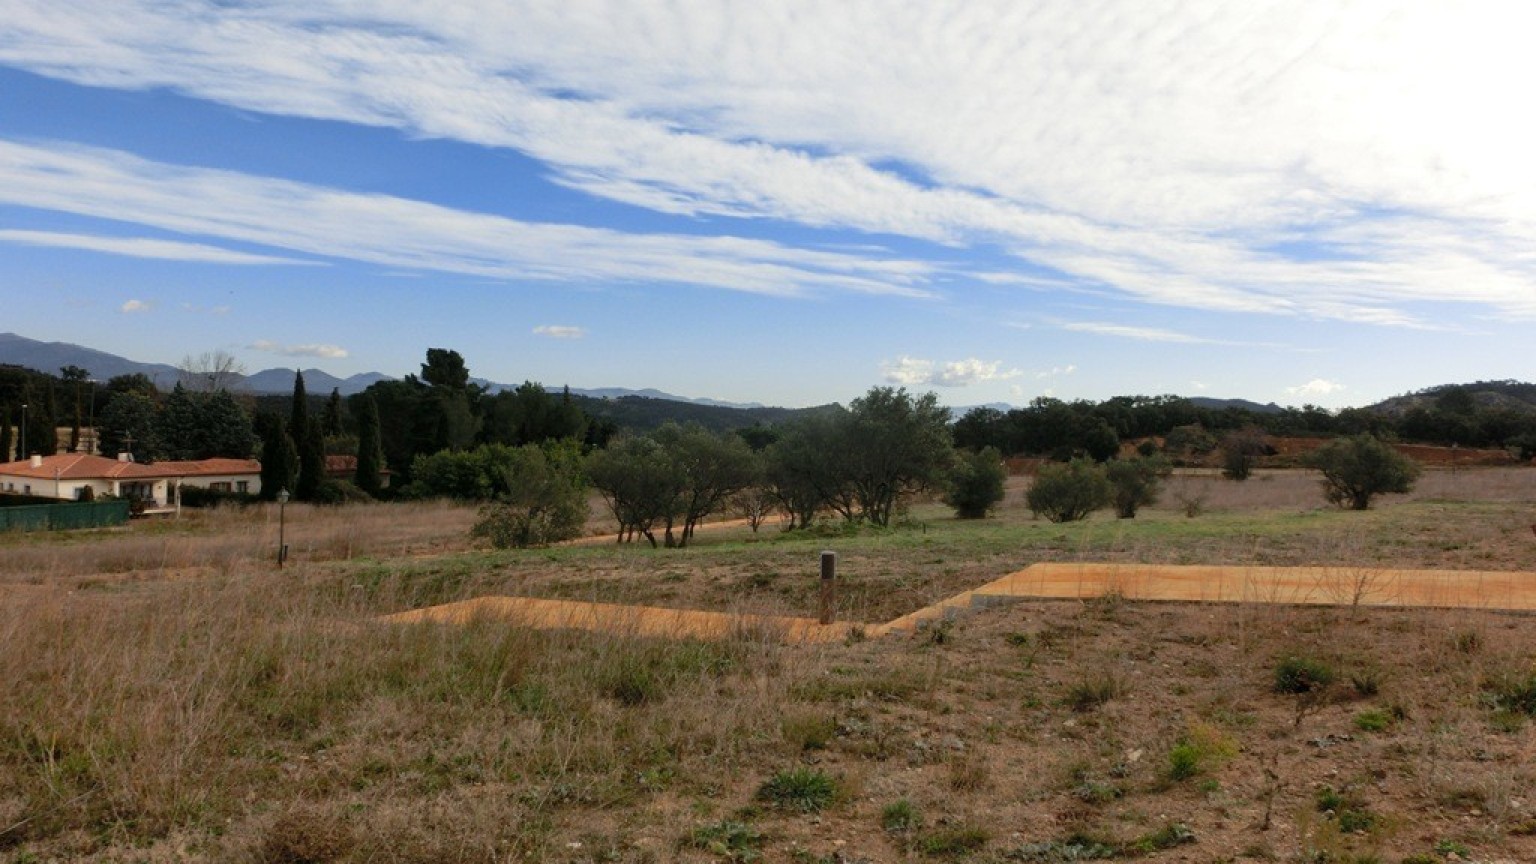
311	463
370	452
331	424
5	432
298	413
279	459
307	438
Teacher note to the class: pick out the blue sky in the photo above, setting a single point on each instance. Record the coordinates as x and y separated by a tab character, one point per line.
783	202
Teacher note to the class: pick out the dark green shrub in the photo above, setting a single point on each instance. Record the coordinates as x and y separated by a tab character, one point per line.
1357	469
1135	483
1240	452
976	483
1513	693
1068	492
1302	675
198	497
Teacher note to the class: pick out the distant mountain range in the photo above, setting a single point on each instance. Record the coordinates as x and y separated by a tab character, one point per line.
638	408
50	357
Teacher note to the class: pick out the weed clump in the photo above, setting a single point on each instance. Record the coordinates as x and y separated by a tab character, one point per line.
729	839
900	817
1203	748
805	790
1346	809
953	840
1089	694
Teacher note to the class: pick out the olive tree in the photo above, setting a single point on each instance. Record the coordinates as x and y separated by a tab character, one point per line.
976	483
543	499
1068	491
896	445
1135	483
1359	468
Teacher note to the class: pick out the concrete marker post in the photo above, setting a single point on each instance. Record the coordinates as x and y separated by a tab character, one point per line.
828	589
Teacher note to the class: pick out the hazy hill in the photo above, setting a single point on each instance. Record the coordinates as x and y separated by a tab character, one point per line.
641	414
1513	395
50	357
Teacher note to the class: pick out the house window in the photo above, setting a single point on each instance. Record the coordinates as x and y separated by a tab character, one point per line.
27	489
243	486
221	486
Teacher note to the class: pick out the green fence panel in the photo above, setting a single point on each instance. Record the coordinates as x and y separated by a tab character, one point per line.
64	517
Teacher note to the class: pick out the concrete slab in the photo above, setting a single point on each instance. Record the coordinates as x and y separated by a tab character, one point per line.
1332	586
649	621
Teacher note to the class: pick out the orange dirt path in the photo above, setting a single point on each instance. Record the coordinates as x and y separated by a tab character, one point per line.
1335	586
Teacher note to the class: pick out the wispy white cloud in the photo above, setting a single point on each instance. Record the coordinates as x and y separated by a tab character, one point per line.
328	352
399	232
560	331
130	307
1158	154
917	372
1126	331
1316	387
1055	372
140	247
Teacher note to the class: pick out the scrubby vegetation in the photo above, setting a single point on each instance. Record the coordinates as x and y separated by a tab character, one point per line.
172	697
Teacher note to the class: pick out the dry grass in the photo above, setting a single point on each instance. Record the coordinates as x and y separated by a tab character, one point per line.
170	696
225	540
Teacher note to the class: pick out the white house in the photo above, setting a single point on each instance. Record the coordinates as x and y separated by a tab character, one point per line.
66	476
221	475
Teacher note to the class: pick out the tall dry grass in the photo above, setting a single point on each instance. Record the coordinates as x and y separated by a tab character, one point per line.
222	540
276	720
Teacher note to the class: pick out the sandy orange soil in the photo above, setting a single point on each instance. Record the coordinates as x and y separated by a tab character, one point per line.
1338	586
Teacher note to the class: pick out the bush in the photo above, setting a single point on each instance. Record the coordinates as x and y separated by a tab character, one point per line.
1302	675
1068	492
544	500
1357	469
1240	452
1135	483
976	483
198	497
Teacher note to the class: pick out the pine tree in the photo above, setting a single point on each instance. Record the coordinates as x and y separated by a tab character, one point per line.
370	452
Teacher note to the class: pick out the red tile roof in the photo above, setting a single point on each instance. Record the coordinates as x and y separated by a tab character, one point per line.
210	467
84	466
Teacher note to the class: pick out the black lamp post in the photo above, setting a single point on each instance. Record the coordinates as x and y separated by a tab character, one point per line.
282	545
23	453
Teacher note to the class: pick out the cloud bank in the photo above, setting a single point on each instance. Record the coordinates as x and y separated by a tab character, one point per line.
1358	161
326	352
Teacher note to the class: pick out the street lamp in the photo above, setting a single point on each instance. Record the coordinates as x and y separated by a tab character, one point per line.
23	453
282	547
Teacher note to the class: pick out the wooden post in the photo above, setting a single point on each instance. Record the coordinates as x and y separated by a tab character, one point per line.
828	592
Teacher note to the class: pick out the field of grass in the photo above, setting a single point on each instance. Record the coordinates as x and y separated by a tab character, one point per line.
169	695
